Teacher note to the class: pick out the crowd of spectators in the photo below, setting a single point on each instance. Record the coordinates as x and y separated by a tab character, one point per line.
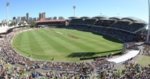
16	66
21	67
146	50
135	71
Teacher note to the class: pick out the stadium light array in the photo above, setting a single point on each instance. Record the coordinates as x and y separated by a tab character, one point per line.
74	8
7	7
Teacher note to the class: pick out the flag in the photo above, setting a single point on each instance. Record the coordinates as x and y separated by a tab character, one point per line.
7	4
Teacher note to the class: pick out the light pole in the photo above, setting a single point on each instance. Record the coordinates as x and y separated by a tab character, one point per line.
74	8
147	40
7	7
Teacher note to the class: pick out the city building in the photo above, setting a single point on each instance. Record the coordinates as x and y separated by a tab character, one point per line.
27	17
42	16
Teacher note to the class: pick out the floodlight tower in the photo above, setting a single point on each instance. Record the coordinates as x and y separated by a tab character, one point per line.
147	40
7	7
74	10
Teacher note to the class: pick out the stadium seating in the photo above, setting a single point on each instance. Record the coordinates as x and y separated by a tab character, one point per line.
76	22
124	29
89	21
107	22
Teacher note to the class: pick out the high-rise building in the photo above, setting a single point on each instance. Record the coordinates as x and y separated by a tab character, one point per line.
23	18
42	16
27	17
14	18
18	19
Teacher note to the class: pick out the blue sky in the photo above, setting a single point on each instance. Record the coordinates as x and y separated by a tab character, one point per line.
110	8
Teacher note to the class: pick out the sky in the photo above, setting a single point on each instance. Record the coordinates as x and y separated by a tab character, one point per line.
90	8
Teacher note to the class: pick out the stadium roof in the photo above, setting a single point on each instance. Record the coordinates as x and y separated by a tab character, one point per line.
133	19
101	17
84	17
72	17
114	18
50	21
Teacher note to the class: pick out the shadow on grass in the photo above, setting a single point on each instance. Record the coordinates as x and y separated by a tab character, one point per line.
108	37
92	55
111	39
81	54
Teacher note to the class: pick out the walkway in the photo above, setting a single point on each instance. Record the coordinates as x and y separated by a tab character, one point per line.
130	54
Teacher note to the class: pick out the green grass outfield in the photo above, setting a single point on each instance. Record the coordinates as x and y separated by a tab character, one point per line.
63	44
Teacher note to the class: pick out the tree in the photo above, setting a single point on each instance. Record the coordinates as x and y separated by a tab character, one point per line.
12	23
32	24
61	18
55	18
